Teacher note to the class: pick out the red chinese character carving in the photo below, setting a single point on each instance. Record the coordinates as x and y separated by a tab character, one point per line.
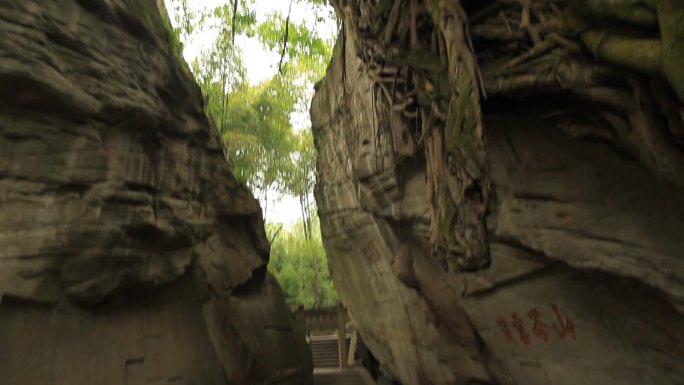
519	325
503	325
564	328
539	328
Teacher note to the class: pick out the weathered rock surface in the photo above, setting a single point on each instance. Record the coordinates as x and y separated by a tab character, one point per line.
585	283
129	254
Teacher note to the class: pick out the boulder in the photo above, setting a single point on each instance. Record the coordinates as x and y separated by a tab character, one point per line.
579	280
129	253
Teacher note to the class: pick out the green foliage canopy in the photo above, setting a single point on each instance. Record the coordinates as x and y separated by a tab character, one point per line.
255	124
300	266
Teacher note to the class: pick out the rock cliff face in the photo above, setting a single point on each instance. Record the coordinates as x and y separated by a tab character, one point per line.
580	276
129	254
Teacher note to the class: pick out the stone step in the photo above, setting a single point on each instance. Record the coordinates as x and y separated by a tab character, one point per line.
323	347
322	350
325	353
326	364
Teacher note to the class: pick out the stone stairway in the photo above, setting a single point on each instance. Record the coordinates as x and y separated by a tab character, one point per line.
325	351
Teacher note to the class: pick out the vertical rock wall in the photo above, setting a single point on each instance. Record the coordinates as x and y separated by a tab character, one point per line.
585	282
129	254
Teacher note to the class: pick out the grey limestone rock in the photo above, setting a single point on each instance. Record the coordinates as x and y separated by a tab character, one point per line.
129	254
586	280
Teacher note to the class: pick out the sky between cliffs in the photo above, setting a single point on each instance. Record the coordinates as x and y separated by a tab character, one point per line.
261	65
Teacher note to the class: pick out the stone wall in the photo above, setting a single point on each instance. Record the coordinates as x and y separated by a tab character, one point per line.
128	251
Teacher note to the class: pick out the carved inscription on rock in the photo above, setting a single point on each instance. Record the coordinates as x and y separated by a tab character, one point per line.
380	289
379	283
371	251
515	328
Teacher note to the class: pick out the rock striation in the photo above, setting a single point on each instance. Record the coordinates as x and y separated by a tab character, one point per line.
580	279
129	254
